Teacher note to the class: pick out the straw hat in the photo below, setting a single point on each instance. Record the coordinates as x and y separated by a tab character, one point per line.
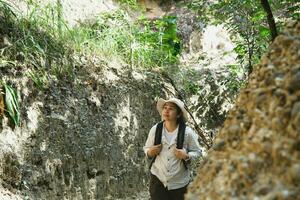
161	102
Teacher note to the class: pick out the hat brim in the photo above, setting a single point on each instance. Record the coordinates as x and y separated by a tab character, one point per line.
161	102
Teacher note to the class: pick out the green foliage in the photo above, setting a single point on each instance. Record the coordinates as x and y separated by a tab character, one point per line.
39	78
133	4
161	41
11	103
246	20
247	23
142	44
42	40
36	39
232	82
191	87
285	10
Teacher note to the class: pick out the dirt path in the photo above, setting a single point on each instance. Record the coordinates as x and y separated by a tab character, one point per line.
140	196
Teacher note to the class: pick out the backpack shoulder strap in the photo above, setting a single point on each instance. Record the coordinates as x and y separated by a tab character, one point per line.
180	139
157	138
180	135
158	133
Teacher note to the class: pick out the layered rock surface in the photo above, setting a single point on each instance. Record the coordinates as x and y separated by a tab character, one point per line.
256	154
80	140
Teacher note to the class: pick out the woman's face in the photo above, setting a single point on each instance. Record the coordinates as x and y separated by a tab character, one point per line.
170	112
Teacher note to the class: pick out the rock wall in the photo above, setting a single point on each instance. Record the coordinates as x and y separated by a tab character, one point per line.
257	153
82	139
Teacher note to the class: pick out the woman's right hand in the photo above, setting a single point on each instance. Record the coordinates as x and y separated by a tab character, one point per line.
154	150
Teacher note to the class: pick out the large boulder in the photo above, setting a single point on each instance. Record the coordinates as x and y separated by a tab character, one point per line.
256	154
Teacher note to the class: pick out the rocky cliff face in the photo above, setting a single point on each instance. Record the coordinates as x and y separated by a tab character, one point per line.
257	153
80	140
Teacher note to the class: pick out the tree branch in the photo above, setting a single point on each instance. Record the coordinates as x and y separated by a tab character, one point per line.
265	4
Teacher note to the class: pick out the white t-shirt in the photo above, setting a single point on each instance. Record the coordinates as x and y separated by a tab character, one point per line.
170	136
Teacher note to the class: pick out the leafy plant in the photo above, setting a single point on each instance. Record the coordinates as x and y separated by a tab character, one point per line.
142	44
247	22
39	78
133	4
11	103
43	40
36	39
161	39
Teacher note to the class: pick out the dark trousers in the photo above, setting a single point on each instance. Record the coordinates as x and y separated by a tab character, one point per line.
159	192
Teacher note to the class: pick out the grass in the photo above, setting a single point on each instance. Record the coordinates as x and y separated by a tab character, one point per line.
43	41
130	4
42	45
32	38
115	35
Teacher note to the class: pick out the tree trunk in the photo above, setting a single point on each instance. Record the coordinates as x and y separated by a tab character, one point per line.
265	4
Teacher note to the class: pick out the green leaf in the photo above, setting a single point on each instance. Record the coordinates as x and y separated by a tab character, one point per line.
264	32
259	16
11	102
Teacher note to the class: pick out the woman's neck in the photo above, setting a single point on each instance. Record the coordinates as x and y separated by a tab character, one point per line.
171	125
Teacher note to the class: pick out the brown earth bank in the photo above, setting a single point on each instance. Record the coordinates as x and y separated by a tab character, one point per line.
256	154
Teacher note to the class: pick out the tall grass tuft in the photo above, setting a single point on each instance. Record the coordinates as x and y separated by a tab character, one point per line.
35	38
141	44
43	41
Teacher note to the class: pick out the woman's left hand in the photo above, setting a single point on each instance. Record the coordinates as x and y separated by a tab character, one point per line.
181	153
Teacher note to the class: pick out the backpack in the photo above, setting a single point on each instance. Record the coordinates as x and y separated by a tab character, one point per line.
180	139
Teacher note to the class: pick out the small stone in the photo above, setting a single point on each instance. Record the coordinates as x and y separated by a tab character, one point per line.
267	146
234	129
295	172
286	194
263	190
294	84
260	96
279	81
296	122
277	123
218	146
295	109
252	156
231	168
296	146
234	144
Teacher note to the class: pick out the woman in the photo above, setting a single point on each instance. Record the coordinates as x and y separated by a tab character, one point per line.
169	174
